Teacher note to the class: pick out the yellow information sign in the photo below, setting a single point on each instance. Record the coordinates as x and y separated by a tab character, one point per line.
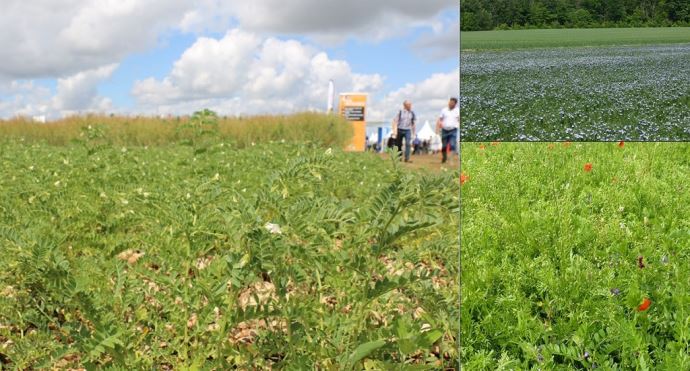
353	107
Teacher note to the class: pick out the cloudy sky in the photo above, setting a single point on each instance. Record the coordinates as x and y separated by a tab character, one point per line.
60	57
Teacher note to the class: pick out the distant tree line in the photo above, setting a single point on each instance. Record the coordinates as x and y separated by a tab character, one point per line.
519	14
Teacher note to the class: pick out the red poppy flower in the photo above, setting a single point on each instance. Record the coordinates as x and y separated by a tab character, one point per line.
482	147
646	303
464	178
588	167
621	144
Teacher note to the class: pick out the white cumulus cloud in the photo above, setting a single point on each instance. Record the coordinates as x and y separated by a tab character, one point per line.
325	20
77	93
245	73
57	38
428	97
24	98
443	43
77	44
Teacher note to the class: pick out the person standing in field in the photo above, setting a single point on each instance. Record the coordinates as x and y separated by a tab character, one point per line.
404	128
449	124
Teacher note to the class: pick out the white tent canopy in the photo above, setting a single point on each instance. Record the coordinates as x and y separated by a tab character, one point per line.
373	134
426	133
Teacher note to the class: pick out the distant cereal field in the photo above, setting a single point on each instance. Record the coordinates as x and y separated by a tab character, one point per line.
517	39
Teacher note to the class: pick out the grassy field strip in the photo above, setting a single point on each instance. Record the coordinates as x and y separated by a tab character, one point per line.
558	38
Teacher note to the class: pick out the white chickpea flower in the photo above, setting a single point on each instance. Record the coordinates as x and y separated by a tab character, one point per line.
273	228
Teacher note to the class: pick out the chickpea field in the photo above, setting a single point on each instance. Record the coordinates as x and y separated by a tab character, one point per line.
634	93
575	256
271	257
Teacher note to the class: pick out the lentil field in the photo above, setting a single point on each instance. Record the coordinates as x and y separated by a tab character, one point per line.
632	93
277	256
575	256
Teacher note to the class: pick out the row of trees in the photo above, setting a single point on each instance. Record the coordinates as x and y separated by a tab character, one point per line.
505	14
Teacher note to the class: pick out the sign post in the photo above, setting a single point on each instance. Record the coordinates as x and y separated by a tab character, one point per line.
331	97
353	108
380	140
